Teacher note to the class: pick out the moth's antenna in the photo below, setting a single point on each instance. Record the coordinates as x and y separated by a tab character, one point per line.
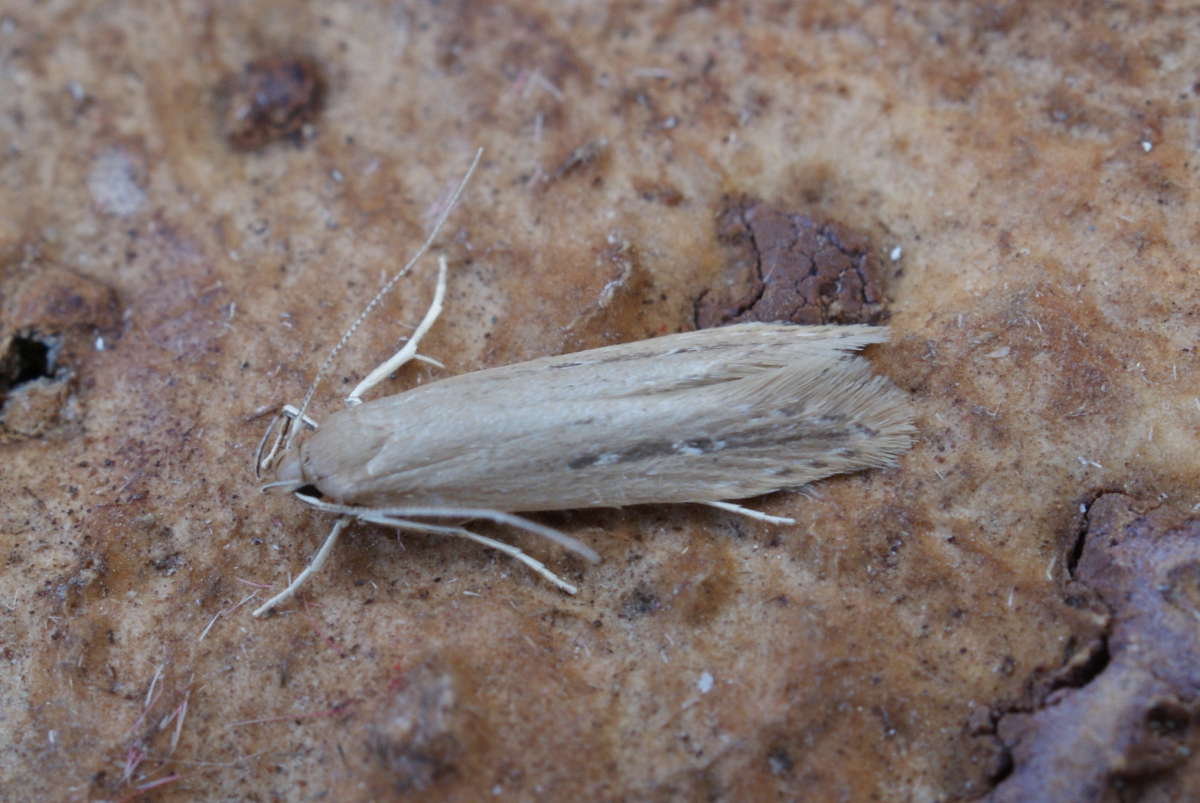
397	276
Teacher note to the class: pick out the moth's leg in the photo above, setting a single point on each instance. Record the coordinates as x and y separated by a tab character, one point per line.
291	412
281	425
500	546
425	358
466	513
312	568
409	351
750	512
263	461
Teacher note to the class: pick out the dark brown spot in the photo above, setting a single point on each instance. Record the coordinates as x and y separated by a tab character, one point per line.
642	602
646	451
583	462
270	99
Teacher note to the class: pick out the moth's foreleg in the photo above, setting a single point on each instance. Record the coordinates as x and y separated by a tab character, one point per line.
409	351
263	457
750	513
314	566
283	426
500	546
292	413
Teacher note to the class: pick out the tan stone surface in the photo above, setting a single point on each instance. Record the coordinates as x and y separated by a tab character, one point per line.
1034	163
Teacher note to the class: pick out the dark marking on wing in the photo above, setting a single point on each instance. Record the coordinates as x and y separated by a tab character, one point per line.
748	440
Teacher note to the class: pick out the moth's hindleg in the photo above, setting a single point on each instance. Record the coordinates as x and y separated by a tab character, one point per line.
750	513
500	546
409	351
463	513
313	567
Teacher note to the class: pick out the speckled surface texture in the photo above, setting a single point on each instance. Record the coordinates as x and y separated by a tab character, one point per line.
184	252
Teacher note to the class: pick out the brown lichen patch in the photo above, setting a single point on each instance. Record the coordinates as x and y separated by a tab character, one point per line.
1119	716
1045	325
785	266
53	299
270	99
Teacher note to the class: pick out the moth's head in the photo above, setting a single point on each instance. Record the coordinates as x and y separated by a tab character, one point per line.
277	458
289	473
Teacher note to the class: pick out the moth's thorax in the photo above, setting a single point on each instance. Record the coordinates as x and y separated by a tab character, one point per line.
333	459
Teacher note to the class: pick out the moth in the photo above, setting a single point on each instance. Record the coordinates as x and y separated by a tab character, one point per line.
698	417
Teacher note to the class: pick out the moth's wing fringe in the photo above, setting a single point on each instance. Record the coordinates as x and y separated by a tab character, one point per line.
845	392
798	424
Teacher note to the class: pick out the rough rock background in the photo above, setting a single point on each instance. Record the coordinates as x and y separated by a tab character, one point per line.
172	264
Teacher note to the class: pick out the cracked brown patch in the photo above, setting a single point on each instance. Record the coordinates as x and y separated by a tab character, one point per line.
1118	718
784	266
